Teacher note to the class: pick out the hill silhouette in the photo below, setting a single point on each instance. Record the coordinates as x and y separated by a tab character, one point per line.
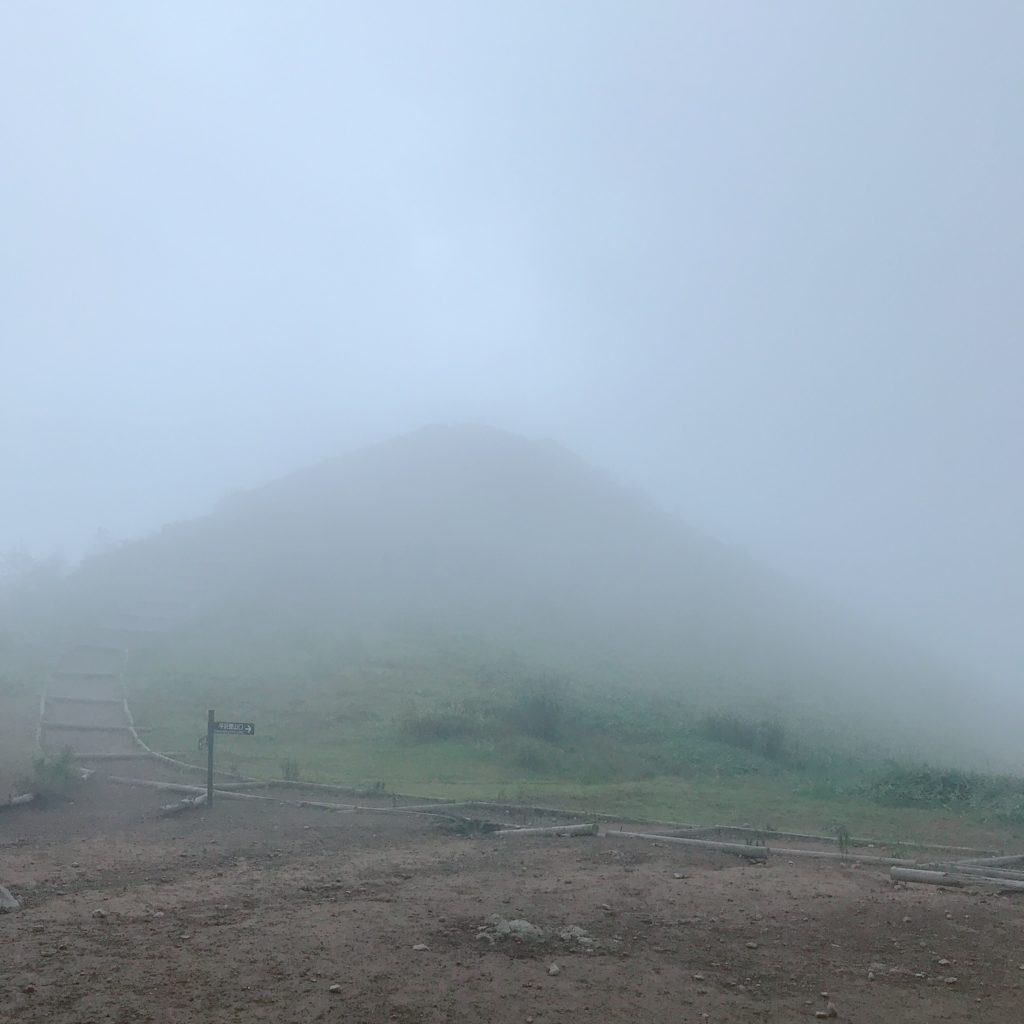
467	546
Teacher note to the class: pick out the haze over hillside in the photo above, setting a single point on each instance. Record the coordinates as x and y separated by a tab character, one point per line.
467	545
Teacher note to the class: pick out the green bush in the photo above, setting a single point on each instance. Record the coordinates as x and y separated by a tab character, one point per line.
449	722
53	778
900	785
767	737
538	713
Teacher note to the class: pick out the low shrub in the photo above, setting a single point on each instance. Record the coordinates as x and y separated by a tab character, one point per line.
52	778
767	738
901	785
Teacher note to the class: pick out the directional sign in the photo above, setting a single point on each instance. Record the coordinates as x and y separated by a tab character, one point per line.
242	728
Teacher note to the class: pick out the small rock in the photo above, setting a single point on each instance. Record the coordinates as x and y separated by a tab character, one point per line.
99	912
949	981
906	920
698	977
74	863
421	947
751	945
7	901
679	874
185	935
871	975
554	969
944	962
334	988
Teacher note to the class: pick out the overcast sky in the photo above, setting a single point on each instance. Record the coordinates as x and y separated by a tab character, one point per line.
763	260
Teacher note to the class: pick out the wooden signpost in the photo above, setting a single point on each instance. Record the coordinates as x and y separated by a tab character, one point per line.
212	728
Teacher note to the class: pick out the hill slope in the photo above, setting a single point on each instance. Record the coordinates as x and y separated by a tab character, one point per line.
472	550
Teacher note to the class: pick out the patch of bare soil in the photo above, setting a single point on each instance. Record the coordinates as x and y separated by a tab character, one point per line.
253	911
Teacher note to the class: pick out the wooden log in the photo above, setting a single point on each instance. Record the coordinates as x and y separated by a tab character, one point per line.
79	727
128	755
1013	858
957	881
83	700
711	830
737	849
763	852
972	869
848	858
550	830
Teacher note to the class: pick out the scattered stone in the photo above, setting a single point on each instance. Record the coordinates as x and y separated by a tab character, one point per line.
28	989
516	928
944	962
751	945
574	933
334	988
949	981
871	975
7	901
554	969
421	947
99	913
185	935
698	977
679	874
74	863
906	920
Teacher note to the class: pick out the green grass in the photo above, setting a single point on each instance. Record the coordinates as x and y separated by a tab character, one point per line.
19	713
645	755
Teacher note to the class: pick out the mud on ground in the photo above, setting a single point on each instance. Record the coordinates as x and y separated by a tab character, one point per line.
252	911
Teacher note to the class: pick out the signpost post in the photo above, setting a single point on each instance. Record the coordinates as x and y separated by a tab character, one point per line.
212	728
210	723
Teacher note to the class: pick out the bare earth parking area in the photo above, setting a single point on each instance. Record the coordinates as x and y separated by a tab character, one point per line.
253	911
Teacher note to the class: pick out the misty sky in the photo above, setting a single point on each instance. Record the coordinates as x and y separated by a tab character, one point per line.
763	260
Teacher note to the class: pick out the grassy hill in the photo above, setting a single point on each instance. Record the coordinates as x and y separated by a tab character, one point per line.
463	609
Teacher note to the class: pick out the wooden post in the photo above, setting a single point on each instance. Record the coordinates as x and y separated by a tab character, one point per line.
209	758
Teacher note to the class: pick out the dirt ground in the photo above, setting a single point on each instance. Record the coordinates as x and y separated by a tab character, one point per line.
253	911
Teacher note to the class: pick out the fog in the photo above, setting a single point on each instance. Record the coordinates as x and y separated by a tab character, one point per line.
760	262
